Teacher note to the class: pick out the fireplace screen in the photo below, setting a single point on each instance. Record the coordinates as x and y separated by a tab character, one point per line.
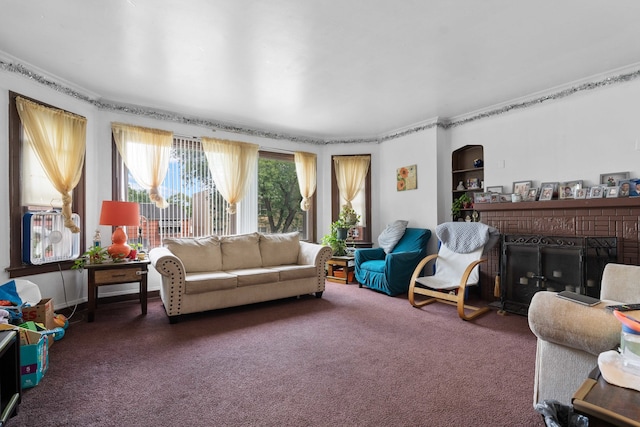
545	263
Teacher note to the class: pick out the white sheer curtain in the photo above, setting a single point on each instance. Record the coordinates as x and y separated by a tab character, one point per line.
350	174
146	153
58	139
306	172
232	165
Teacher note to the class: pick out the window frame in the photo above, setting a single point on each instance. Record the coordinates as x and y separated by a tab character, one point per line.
335	197
16	267
311	213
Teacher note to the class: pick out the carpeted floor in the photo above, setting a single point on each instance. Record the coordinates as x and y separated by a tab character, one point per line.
353	358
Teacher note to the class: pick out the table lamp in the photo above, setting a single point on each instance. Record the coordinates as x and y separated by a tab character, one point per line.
119	214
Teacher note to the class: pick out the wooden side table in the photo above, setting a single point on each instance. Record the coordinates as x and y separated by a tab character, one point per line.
114	274
607	404
346	264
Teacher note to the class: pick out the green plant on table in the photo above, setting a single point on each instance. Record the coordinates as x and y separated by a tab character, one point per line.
338	246
93	255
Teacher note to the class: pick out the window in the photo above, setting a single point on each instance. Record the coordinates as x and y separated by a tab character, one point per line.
279	197
195	207
23	199
361	204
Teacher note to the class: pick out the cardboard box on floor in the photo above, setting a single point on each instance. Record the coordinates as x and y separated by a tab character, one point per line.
40	313
34	355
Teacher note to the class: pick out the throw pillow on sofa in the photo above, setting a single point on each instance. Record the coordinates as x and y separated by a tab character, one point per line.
279	249
198	254
391	235
240	251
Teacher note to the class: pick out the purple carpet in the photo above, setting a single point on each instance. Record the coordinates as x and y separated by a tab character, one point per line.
353	358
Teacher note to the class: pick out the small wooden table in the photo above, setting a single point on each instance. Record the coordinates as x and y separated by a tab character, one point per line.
607	404
346	264
113	274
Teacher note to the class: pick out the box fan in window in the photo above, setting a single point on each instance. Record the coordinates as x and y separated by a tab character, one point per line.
45	238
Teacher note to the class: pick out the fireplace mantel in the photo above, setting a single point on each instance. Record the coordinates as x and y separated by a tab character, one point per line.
619	217
621	202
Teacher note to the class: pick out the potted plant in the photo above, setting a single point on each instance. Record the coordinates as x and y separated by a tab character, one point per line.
347	219
338	245
462	202
94	255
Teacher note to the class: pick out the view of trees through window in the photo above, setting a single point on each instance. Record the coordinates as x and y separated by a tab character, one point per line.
197	209
279	196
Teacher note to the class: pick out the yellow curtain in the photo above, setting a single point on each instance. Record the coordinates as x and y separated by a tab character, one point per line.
306	172
146	153
59	140
232	165
350	174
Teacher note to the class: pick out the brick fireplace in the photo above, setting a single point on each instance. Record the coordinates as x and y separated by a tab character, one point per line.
618	218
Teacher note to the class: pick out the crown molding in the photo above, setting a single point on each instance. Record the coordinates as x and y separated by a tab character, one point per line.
621	75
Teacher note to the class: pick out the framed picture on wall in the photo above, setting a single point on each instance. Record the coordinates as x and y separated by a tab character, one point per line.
495	189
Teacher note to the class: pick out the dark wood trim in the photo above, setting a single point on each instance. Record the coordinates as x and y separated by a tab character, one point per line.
16	267
335	198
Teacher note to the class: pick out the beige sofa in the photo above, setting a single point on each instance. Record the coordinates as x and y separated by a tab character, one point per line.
571	336
207	273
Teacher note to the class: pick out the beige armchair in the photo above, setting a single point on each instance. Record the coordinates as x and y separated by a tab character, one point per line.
571	335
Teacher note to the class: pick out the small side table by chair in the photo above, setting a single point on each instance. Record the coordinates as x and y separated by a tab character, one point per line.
342	265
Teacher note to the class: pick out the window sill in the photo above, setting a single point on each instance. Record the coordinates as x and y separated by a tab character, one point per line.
28	270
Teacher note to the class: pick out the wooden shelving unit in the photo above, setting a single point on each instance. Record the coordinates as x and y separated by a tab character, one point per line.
463	170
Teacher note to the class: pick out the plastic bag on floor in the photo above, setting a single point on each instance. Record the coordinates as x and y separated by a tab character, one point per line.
558	415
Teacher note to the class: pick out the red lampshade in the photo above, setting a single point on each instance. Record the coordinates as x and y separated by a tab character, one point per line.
117	214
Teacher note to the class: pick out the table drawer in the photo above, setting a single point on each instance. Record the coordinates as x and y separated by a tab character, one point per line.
121	275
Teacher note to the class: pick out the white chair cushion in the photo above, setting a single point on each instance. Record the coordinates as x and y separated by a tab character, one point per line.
449	269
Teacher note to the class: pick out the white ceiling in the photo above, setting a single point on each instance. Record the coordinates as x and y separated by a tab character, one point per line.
321	69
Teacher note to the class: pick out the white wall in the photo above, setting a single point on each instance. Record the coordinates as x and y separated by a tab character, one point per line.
419	206
574	138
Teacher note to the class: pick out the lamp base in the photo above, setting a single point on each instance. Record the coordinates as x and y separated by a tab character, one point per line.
119	249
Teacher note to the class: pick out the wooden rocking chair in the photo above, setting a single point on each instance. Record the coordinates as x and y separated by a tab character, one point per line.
454	272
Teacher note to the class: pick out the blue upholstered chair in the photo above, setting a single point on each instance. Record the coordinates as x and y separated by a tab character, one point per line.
390	273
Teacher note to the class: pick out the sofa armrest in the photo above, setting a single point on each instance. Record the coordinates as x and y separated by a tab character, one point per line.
173	279
313	254
166	262
591	329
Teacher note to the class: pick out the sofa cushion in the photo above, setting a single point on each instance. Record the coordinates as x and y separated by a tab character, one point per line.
255	276
240	251
197	254
279	249
292	272
196	283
